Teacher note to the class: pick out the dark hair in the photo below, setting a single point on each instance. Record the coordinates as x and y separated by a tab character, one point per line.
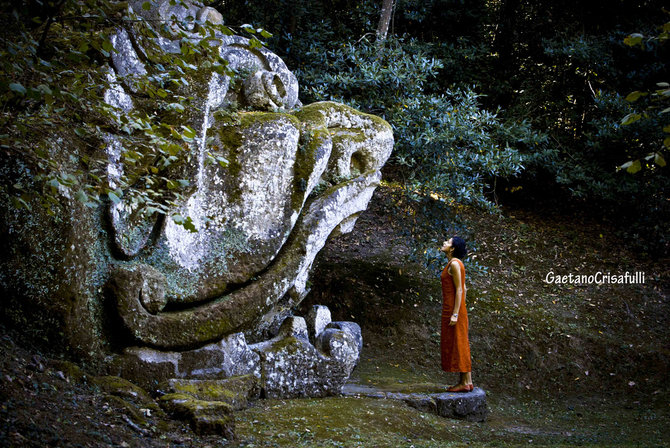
460	251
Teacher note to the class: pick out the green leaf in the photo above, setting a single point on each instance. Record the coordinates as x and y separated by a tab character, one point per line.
630	118
633	39
666	142
634	96
146	6
113	197
266	34
189	133
255	43
107	45
664	85
176	107
632	167
81	196
660	161
188	225
18	88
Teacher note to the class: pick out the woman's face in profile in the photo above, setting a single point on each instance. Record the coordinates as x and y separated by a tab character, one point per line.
447	245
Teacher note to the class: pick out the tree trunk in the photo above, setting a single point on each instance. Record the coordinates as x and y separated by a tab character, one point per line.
384	20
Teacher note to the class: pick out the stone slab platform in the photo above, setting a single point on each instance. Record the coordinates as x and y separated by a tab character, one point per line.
470	406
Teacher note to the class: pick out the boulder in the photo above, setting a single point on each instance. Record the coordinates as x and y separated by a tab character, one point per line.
291	366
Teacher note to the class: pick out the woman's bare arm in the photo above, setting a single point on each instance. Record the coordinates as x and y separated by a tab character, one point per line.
460	291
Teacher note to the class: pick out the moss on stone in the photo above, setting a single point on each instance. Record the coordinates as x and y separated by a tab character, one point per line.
236	391
186	406
121	387
306	158
70	370
316	113
289	345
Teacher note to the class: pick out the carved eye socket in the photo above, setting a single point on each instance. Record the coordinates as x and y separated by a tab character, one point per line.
358	163
279	85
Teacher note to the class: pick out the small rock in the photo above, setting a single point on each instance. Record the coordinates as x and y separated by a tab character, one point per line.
317	319
293	326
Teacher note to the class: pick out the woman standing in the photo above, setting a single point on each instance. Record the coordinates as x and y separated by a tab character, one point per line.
454	344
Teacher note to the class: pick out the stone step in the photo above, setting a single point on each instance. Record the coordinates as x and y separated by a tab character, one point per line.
208	405
236	391
469	406
205	417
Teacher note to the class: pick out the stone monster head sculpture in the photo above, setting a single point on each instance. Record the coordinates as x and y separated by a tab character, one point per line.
296	175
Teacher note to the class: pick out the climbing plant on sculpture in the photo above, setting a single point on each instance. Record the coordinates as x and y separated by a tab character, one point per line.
55	67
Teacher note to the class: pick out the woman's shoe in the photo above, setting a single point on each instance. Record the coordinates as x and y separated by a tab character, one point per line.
471	387
458	388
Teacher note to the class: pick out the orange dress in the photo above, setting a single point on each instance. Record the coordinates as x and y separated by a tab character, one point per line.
454	343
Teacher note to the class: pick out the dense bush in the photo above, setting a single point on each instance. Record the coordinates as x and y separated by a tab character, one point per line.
446	143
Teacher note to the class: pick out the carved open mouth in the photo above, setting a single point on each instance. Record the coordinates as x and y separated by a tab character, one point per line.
295	179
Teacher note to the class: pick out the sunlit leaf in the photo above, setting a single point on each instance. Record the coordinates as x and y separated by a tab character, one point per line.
659	160
630	118
634	96
113	197
633	39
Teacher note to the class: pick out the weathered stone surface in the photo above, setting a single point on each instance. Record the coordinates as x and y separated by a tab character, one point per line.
292	367
144	366
317	319
237	391
293	326
340	345
210	15
353	328
224	359
205	417
469	406
231	356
